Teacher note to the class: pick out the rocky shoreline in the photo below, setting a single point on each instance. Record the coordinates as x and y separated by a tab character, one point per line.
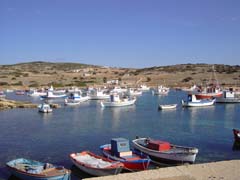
10	104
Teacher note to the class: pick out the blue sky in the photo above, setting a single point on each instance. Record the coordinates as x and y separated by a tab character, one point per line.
120	33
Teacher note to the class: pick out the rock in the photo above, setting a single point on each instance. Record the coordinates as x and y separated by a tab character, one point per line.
6	104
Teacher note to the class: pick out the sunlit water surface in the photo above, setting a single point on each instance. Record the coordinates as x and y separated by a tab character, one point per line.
52	137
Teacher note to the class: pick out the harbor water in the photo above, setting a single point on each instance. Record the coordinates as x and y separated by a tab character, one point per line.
53	137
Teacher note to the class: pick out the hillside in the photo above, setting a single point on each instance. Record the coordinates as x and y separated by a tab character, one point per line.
42	74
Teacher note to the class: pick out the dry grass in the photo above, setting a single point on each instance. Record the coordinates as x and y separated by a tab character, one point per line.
42	74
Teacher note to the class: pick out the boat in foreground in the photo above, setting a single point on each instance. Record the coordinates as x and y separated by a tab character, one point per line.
164	152
167	106
33	170
119	150
194	102
95	165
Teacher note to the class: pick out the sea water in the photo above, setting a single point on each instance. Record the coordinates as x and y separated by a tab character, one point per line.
52	137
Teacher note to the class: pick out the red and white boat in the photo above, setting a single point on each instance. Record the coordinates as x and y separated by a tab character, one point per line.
208	93
119	150
212	90
95	165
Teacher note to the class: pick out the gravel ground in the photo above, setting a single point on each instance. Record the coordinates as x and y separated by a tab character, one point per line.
223	170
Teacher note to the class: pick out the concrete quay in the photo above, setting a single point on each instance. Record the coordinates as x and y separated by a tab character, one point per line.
222	170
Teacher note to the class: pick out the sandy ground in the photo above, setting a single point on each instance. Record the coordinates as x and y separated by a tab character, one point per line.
223	170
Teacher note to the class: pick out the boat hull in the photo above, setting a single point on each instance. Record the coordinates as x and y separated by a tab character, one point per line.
184	155
201	103
207	95
169	106
227	100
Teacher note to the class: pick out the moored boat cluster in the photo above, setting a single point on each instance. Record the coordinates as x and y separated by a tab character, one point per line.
115	157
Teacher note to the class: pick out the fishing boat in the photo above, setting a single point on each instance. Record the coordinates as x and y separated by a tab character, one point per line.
134	92
75	99
211	89
208	93
119	150
167	106
164	152
117	101
143	87
228	96
37	93
160	90
44	108
95	165
98	94
51	95
194	102
33	170
118	89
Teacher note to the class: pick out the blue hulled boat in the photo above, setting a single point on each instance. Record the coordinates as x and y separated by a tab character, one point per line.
33	170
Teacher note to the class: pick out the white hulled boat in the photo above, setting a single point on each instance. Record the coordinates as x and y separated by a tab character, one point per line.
143	87
164	152
99	94
118	89
76	98
134	92
194	102
228	96
116	101
37	93
160	90
167	106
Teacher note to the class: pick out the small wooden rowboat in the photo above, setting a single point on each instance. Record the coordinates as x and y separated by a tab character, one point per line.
95	165
33	170
167	106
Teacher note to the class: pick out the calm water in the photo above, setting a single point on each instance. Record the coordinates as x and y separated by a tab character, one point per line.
52	137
